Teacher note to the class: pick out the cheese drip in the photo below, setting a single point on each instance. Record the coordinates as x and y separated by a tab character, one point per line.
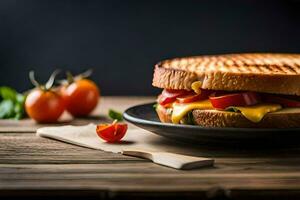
180	110
257	112
252	113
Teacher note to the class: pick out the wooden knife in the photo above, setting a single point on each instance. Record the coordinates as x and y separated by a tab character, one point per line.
172	160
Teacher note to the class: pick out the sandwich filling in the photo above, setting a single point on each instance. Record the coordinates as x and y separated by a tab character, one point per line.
178	104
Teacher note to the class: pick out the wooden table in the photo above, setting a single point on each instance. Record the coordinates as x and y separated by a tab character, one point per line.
39	167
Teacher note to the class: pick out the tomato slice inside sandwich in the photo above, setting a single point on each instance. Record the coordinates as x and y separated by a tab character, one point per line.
168	96
282	100
194	97
236	99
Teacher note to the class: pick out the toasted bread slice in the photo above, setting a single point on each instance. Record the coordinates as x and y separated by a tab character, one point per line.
269	73
285	118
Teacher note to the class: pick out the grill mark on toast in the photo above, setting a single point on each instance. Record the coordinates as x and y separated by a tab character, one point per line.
249	71
290	68
238	63
275	68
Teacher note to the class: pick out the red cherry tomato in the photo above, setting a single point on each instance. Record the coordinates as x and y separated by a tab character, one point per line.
194	97
81	97
285	101
168	96
44	106
111	132
237	99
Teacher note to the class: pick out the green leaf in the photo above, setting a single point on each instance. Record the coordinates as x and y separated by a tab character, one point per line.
8	93
190	118
6	109
12	104
155	106
20	98
169	111
115	115
232	109
18	116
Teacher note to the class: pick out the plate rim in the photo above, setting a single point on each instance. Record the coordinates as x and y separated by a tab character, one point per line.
134	120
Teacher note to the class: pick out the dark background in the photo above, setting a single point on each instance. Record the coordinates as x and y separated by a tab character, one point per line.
122	40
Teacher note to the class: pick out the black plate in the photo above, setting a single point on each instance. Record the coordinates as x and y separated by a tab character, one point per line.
144	116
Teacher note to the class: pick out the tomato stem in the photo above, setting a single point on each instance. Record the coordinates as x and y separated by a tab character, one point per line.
70	78
86	74
33	80
48	85
51	80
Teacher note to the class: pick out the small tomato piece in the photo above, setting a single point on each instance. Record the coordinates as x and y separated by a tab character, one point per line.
44	106
112	132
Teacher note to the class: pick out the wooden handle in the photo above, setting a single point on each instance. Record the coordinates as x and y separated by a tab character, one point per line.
172	160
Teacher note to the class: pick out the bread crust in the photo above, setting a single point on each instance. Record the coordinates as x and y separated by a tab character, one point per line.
214	118
163	115
268	73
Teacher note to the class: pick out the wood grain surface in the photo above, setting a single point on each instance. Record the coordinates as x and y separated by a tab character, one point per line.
44	168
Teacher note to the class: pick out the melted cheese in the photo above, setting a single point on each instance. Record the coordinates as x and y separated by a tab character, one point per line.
180	110
257	112
252	113
196	87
